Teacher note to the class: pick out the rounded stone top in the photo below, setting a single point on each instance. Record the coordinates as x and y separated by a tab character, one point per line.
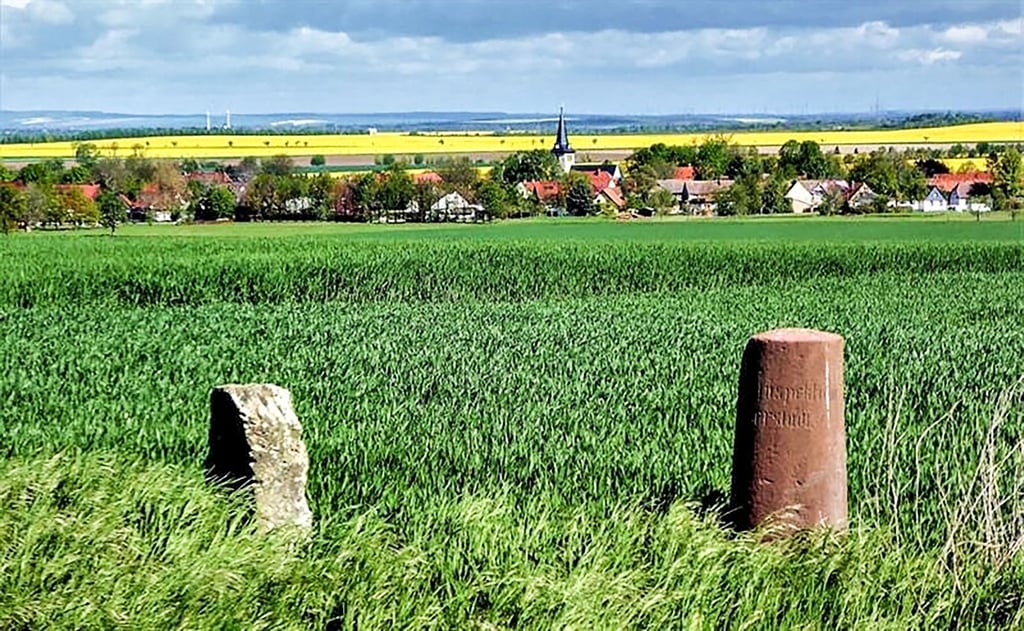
798	336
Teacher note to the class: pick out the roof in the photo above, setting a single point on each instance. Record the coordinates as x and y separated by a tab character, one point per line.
674	186
211	177
948	181
857	190
702	188
562	145
820	187
427	176
684	173
610	169
600	180
544	189
91	191
699	188
963	189
614	196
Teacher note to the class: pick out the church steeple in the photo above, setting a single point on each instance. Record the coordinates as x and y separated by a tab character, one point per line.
563	150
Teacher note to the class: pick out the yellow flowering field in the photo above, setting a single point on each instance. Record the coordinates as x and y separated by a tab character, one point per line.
236	146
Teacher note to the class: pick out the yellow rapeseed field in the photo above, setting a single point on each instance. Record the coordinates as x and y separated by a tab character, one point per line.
237	146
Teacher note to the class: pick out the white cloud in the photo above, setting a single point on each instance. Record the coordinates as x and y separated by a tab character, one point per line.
46	11
167	44
929	57
965	34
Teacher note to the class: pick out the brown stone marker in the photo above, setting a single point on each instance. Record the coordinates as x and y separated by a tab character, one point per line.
789	455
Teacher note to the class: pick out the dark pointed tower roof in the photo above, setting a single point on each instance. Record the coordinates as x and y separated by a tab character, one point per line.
562	145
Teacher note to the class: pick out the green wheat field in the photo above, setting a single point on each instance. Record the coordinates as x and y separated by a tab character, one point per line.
510	426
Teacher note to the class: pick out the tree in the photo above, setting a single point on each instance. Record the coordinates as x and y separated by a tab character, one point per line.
277	165
528	166
318	160
806	158
1008	180
640	181
832	202
427	193
579	195
219	202
773	195
495	198
742	198
661	159
45	172
7	175
931	167
112	210
661	200
77	174
320	193
141	169
169	188
189	166
12	208
86	154
459	174
78	208
41	204
113	175
713	158
396	189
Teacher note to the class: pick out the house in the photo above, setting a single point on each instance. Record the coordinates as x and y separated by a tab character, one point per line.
427	177
860	196
695	196
544	191
800	198
600	181
594	169
946	182
610	196
684	173
820	188
934	201
90	191
455	207
964	197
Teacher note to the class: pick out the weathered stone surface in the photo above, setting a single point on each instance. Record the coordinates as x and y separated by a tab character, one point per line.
789	456
256	442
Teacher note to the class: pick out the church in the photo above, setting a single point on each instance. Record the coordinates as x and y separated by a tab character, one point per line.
566	155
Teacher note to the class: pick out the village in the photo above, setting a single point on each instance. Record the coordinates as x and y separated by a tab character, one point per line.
714	178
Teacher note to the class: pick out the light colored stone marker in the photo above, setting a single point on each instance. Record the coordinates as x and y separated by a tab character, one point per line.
256	442
789	454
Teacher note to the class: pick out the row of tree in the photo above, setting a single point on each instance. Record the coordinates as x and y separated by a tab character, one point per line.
759	182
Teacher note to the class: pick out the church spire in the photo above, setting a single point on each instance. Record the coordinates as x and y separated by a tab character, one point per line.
562	149
562	136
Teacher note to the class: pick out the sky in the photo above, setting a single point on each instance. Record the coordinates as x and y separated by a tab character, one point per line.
593	56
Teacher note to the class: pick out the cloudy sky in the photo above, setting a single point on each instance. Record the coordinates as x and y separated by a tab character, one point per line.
595	56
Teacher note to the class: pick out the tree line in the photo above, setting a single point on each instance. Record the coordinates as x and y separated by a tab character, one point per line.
758	182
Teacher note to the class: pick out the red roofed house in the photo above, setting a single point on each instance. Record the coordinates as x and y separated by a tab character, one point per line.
545	191
600	180
427	176
593	169
684	173
90	191
964	196
946	182
610	196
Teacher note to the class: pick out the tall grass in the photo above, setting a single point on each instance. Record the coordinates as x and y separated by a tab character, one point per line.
502	434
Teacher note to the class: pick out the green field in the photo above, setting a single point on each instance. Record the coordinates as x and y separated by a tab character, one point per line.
512	425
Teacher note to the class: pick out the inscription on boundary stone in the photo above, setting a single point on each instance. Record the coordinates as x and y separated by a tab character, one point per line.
789	454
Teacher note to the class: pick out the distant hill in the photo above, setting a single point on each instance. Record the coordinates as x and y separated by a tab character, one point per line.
86	124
